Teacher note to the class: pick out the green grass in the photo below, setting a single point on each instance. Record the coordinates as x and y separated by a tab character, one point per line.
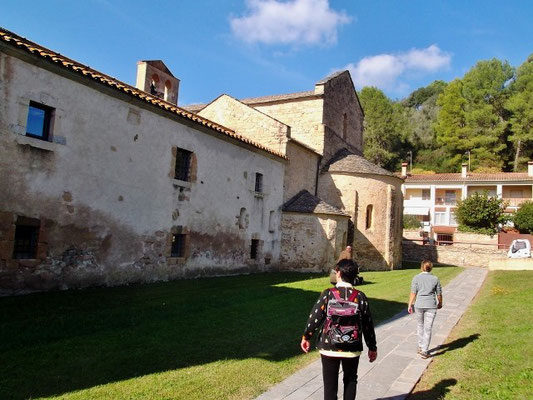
217	338
489	354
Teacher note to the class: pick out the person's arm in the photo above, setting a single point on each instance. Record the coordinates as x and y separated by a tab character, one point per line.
368	328
316	317
412	298
439	294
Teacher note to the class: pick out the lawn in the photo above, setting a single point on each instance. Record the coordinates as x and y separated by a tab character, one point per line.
216	338
489	354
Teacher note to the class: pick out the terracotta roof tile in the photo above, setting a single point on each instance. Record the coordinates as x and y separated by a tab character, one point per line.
471	177
279	97
14	40
305	202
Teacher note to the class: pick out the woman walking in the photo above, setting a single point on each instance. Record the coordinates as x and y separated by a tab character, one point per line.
343	315
427	291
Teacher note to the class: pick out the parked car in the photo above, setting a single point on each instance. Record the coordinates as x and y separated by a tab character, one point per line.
520	248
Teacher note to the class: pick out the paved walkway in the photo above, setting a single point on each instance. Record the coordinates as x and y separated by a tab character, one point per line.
398	368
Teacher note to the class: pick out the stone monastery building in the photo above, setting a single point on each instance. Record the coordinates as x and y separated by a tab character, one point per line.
103	183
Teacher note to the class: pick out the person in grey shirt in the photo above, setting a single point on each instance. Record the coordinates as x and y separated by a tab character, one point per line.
426	289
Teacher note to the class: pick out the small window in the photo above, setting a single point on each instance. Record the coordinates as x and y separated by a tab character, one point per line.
26	238
271	221
444	239
259	182
178	245
369	212
254	249
426	194
39	120
183	165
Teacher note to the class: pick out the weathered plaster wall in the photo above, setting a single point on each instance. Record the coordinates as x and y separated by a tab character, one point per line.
301	172
104	193
303	116
248	122
378	247
312	242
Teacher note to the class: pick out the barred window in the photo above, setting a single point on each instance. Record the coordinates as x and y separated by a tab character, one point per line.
259	182
183	165
26	238
254	249
178	245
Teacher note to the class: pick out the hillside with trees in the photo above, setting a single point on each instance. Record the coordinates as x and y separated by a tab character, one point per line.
486	115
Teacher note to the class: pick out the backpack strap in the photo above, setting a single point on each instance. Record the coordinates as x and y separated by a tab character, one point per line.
354	294
336	293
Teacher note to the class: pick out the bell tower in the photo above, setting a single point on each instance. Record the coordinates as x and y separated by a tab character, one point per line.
155	78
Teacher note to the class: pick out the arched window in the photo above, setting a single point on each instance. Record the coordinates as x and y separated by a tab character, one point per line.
369	215
154	84
168	86
345	126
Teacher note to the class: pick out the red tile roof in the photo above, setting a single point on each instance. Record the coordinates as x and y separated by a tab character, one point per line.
21	43
472	177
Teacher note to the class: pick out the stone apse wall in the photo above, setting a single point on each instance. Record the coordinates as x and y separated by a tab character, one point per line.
103	196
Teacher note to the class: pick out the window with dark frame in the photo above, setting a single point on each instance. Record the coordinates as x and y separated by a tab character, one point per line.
444	239
426	194
178	245
25	246
39	121
259	182
254	249
183	165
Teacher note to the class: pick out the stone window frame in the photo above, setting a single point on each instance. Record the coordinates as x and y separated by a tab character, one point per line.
369	217
193	167
8	224
178	230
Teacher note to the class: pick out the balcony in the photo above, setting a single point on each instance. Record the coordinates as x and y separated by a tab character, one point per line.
516	202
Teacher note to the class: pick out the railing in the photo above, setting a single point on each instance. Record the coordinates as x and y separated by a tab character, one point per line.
464	245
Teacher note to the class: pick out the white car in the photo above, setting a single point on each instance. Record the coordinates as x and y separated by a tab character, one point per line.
520	248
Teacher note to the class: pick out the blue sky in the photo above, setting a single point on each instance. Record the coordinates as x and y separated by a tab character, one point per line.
249	48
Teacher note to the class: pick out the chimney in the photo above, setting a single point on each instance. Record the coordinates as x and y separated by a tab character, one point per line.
464	170
154	77
404	169
530	168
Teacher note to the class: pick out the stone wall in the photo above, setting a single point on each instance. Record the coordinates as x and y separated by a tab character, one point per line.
303	116
312	242
453	255
248	122
301	172
103	195
379	246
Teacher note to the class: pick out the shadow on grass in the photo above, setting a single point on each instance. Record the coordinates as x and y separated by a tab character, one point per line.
55	343
456	344
438	391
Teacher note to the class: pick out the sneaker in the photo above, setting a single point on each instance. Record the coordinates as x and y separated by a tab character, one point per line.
424	354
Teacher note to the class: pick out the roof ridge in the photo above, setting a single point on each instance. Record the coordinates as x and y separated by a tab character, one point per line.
65	62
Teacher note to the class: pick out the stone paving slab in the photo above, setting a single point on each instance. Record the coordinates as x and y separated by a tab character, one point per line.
398	368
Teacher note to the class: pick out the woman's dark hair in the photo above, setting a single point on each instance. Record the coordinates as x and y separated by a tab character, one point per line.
348	269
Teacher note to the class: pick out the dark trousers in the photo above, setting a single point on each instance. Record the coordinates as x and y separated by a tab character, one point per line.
330	374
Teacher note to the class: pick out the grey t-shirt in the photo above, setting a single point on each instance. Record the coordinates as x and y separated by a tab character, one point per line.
427	287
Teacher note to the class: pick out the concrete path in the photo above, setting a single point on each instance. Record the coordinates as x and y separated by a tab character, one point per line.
398	368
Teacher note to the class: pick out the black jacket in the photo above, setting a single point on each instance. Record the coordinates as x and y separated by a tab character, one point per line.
318	316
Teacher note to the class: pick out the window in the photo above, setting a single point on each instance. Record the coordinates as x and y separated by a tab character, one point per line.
178	245
26	238
450	197
369	212
183	165
254	249
271	221
259	182
444	239
426	194
440	218
39	121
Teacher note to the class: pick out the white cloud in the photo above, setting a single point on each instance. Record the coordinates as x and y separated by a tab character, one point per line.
289	22
385	71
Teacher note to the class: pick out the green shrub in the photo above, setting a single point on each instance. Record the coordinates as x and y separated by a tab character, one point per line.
523	218
480	212
410	222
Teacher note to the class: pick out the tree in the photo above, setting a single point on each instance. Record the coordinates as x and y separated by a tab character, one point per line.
523	218
384	128
520	105
480	213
